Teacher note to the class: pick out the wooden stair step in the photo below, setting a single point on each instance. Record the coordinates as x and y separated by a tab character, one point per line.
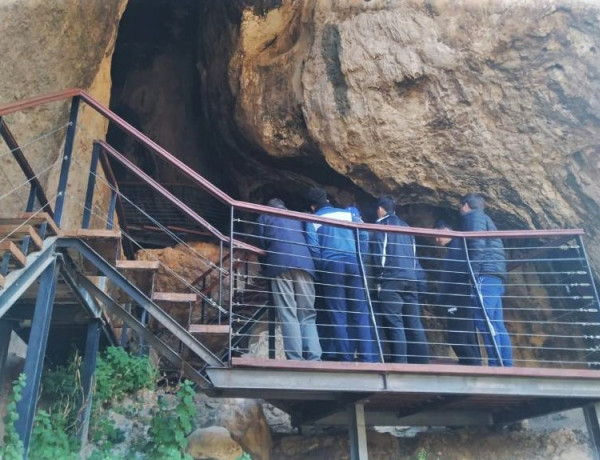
138	264
174	297
9	246
92	234
2	281
18	232
38	218
216	329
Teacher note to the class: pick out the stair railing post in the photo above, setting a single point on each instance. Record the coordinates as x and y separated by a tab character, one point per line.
220	282
31	198
89	195
6	328
231	281
365	281
66	161
588	270
481	305
36	350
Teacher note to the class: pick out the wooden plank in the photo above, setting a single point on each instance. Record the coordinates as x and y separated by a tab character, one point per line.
91	233
216	329
38	218
18	232
138	264
174	297
9	246
437	369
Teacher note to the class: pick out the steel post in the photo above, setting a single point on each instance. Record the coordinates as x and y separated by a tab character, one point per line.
358	432
36	350
363	273
89	194
479	297
66	163
231	283
87	374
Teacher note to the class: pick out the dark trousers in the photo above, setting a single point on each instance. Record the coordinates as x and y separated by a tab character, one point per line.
347	312
399	320
462	336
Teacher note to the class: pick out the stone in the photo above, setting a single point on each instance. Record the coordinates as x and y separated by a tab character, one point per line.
213	443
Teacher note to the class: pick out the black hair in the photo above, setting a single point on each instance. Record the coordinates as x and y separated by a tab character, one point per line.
387	203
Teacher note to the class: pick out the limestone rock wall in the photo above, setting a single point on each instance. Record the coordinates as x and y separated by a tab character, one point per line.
427	100
47	47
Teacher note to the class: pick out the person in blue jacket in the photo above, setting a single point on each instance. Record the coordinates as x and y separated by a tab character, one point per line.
454	294
396	269
290	268
335	252
488	261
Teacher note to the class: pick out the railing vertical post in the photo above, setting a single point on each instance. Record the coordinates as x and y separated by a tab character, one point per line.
66	163
591	280
363	273
112	206
31	198
89	365
36	348
89	195
481	304
231	281
220	281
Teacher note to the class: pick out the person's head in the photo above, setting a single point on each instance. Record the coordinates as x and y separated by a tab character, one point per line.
385	205
276	203
316	197
471	201
442	240
354	211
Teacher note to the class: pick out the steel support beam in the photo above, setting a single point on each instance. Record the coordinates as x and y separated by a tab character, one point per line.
66	162
592	420
36	348
139	298
5	333
87	374
358	432
18	281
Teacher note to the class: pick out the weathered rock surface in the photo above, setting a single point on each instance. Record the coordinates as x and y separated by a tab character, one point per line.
214	443
47	47
428	100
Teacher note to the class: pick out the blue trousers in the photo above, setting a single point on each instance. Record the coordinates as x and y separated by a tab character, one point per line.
492	289
347	312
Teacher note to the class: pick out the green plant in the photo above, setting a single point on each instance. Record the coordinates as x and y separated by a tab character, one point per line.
12	448
51	438
244	456
119	373
169	427
422	455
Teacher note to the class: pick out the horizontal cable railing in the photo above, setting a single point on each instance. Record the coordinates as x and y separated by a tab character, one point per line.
343	306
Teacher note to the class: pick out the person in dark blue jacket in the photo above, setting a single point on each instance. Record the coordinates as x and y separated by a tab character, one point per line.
454	294
395	268
290	268
335	252
488	261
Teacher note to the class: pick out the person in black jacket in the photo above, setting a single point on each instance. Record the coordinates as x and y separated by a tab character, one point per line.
454	294
291	270
395	268
489	267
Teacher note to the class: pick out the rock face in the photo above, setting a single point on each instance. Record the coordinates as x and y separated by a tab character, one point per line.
428	100
48	47
213	443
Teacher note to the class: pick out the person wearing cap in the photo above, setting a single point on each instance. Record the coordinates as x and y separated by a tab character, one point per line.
488	262
454	294
335	253
395	268
291	271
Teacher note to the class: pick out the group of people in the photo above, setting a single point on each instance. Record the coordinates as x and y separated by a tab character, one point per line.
357	269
